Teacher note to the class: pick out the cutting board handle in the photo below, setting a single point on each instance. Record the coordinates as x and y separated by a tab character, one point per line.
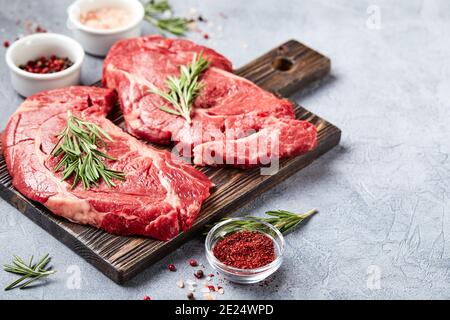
287	68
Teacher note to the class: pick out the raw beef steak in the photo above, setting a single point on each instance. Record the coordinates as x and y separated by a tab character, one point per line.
234	122
159	198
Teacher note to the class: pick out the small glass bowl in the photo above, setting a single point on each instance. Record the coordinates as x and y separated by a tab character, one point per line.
244	276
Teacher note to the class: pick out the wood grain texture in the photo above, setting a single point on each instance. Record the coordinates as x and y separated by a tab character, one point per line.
283	70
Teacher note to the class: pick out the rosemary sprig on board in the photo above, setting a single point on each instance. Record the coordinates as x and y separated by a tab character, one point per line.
29	272
184	89
174	25
283	220
78	147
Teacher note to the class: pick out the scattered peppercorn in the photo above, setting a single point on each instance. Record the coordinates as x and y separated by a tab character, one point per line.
198	274
6	43
172	267
193	263
43	65
190	296
40	29
206	36
180	283
147	298
245	250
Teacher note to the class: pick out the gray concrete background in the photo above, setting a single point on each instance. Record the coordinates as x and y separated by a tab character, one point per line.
383	194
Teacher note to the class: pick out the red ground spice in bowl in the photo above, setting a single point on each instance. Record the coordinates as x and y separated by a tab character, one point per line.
245	250
244	255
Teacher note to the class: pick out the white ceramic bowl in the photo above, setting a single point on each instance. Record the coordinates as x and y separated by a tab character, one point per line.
99	41
43	44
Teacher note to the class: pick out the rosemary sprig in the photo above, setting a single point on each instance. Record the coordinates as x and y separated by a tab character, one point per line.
174	25
31	271
78	147
183	90
283	220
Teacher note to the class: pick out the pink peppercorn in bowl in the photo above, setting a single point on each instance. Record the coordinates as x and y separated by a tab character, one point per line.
246	275
45	45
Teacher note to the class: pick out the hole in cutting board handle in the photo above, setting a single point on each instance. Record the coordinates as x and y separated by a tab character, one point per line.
282	64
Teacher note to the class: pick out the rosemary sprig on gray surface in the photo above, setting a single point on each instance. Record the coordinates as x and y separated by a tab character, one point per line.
29	272
283	220
184	89
154	10
78	147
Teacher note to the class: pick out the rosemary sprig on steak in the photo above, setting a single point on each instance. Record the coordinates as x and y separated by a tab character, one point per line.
29	272
174	25
184	89
284	221
78	146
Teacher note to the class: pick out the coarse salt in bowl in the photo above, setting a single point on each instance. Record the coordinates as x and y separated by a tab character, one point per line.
98	41
244	276
43	44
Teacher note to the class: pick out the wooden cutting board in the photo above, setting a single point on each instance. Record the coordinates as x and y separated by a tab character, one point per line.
283	70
